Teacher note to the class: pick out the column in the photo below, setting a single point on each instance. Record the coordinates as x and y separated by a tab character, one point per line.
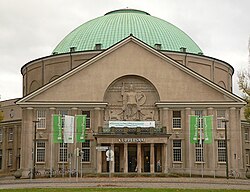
27	141
165	119
234	140
125	158
139	158
152	158
165	158
112	170
98	119
99	161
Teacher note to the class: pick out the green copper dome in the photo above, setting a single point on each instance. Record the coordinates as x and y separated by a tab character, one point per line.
117	25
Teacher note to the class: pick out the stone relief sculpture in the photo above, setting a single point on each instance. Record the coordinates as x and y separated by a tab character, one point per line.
131	103
131	98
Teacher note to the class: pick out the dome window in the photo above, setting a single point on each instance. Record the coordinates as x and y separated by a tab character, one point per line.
158	46
72	49
183	49
98	46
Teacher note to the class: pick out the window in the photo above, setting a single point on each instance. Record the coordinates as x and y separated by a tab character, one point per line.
221	115
63	119
158	46
98	46
86	151
177	150
10	134
1	135
1	158
221	151
63	152
40	151
246	134
176	119
248	157
10	155
199	151
41	117
88	118
200	114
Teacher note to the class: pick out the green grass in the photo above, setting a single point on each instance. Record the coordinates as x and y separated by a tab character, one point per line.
116	190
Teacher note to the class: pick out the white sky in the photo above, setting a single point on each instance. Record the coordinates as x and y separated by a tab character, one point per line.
30	29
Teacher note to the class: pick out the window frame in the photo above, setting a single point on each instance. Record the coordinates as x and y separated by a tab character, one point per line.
88	118
199	152
41	118
10	157
1	135
40	152
86	152
176	120
200	114
177	150
246	134
63	152
220	118
247	157
1	159
10	134
221	151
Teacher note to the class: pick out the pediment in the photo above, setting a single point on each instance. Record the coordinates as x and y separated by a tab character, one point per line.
88	82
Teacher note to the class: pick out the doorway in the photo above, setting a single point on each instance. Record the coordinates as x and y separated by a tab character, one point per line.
132	161
117	158
146	152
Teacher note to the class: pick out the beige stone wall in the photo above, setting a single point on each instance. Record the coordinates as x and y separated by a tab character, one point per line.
12	121
44	70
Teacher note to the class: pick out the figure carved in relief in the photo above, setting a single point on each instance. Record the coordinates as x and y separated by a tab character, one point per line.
132	102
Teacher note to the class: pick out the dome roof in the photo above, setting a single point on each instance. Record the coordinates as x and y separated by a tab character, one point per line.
119	24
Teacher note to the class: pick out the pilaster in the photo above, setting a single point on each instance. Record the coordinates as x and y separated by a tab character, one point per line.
210	152
152	158
139	157
125	158
27	141
188	149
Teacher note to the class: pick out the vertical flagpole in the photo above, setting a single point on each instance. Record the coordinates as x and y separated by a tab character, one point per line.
190	172
63	117
213	144
51	147
202	163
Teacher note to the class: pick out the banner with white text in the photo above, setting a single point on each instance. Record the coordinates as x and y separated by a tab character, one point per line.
68	130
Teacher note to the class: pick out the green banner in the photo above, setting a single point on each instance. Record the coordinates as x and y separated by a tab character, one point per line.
193	128
80	128
208	129
57	129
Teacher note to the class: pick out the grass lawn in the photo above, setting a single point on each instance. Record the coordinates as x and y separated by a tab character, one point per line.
116	190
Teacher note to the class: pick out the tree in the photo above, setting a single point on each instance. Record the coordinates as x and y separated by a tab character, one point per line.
244	86
1	116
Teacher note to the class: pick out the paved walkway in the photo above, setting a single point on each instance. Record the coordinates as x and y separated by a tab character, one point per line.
131	182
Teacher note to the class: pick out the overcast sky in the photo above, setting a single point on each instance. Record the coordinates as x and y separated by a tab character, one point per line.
30	29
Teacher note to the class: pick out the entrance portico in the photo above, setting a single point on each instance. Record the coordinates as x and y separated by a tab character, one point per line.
136	154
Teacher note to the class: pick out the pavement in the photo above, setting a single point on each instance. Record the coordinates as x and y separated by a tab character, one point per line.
126	182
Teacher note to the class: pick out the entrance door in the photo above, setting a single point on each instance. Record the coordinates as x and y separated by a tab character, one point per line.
132	162
117	158
146	159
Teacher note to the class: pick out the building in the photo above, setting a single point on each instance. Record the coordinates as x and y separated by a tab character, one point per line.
138	79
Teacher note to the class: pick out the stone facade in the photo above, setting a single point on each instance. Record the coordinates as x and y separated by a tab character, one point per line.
132	82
